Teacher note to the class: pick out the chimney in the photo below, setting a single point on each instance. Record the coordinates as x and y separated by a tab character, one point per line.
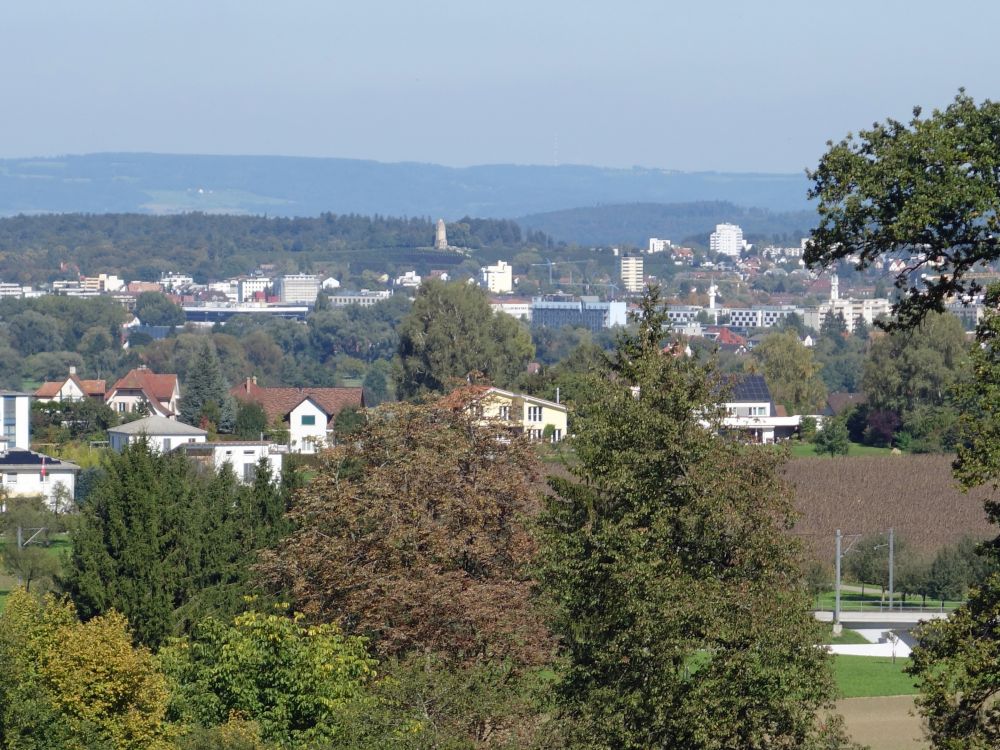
72	369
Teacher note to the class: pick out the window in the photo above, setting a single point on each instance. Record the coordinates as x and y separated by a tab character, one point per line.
249	472
166	444
308	419
556	435
12	479
505	412
10	418
535	434
534	414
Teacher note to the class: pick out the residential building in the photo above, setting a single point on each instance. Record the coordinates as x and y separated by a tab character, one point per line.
248	289
297	288
15	415
242	456
631	271
498	278
161	433
658	246
71	388
142	388
727	239
364	298
102	283
8	289
538	418
173	282
515	307
751	412
26	473
308	413
409	280
558	310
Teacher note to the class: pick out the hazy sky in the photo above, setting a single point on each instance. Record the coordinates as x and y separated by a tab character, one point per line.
734	86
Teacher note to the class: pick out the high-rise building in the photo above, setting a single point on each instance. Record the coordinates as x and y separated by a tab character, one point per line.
727	239
498	279
632	273
297	287
657	245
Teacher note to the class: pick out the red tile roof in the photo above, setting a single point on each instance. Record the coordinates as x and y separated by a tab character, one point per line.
278	402
161	387
92	388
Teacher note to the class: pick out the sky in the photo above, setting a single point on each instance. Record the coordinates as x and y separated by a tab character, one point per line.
696	86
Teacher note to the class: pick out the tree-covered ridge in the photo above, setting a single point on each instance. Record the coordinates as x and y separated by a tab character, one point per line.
35	249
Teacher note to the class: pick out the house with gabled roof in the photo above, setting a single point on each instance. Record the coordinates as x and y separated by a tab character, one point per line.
535	417
142	389
309	412
71	388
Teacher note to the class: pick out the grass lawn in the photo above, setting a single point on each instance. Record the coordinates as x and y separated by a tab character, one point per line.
869	676
852	601
808	450
847	637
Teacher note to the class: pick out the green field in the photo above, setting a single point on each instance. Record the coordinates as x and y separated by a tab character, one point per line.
852	601
870	676
847	637
808	450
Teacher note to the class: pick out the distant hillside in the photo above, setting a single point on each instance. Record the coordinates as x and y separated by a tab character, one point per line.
287	186
635	223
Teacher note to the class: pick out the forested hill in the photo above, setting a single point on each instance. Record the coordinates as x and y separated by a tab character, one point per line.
289	186
635	223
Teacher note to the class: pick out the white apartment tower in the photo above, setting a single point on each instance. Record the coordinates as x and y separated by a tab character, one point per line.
727	239
499	278
632	273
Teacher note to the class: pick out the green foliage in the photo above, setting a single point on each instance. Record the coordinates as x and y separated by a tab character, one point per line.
164	544
833	438
251	420
665	526
807	429
791	372
206	399
348	422
296	681
70	685
931	184
156	309
451	334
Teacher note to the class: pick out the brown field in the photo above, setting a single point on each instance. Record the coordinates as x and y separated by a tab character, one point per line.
888	723
914	494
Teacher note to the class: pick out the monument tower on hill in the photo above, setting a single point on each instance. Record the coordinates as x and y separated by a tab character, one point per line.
440	236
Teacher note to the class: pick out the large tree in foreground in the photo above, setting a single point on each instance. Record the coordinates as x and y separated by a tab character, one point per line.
928	189
450	334
676	587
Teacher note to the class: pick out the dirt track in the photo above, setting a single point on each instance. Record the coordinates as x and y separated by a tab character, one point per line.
883	723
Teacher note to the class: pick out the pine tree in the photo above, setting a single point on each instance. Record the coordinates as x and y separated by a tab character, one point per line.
675	589
206	399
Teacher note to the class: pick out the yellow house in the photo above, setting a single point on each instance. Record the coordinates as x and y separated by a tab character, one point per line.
538	418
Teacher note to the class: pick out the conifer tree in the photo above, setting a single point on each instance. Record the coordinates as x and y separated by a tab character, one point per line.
206	397
674	588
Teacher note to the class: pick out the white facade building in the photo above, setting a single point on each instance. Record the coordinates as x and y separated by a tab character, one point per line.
499	278
252	286
297	288
243	457
657	245
727	239
632	275
409	280
309	427
173	281
24	471
516	308
15	415
162	434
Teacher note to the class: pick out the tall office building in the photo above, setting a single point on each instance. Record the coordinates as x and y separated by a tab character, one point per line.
727	239
297	287
632	273
498	279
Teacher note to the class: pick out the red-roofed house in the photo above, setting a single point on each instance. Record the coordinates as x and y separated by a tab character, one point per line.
308	412
70	388
141	387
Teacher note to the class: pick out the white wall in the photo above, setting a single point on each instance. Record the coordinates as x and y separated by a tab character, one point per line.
241	456
30	483
306	438
160	443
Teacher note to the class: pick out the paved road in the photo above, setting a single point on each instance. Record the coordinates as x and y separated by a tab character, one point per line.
876	619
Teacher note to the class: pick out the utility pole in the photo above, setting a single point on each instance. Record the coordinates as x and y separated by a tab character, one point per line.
891	563
836	587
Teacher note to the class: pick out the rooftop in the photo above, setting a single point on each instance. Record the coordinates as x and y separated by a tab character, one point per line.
157	426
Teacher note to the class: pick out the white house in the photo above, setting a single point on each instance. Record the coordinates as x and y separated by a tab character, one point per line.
243	456
71	388
308	412
26	473
751	412
163	434
498	278
143	388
